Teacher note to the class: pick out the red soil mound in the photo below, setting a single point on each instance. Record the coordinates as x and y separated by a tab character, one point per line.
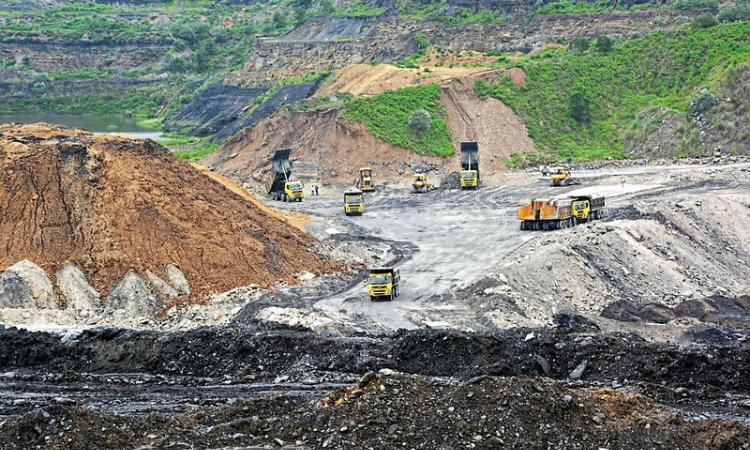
112	204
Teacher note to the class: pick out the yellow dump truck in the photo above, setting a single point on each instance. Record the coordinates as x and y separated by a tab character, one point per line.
365	182
280	187
354	203
469	165
420	184
384	283
541	214
561	176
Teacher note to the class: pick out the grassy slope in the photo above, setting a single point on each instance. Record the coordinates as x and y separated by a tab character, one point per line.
387	115
663	69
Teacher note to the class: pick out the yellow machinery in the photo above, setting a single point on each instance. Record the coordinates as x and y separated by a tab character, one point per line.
420	184
280	187
561	176
542	214
383	283
366	184
469	165
294	191
354	203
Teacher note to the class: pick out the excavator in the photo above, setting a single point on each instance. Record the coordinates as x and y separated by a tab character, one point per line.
365	182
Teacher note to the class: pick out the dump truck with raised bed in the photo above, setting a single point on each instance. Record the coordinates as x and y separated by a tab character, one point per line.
365	181
469	165
542	214
354	203
420	184
384	283
280	185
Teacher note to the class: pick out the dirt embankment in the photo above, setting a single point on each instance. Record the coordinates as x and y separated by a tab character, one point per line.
326	148
110	205
498	130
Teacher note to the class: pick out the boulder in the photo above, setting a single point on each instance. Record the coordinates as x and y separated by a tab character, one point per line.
76	290
38	283
177	279
162	288
132	294
14	293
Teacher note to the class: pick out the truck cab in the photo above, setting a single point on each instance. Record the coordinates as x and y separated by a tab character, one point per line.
366	184
354	203
294	191
383	283
469	165
469	179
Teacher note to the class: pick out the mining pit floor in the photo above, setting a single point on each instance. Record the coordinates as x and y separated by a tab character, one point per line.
471	355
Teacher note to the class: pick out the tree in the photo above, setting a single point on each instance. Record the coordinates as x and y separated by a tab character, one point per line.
604	44
580	105
420	121
326	7
300	14
278	20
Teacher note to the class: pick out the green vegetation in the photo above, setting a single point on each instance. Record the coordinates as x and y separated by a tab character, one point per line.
387	117
515	162
197	153
577	103
441	11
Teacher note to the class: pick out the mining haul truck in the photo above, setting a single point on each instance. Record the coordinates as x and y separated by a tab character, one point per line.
384	283
365	182
280	187
420	184
354	203
469	165
560	213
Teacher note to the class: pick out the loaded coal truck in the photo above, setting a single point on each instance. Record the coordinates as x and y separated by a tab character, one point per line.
469	165
354	203
280	185
560	213
384	283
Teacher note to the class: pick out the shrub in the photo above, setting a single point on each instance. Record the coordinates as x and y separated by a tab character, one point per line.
704	21
604	44
740	11
703	102
580	105
696	4
420	121
580	44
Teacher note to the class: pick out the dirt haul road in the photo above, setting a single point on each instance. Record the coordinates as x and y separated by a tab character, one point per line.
460	250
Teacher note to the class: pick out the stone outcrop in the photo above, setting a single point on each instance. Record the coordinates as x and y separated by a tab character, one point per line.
132	295
76	290
14	293
37	282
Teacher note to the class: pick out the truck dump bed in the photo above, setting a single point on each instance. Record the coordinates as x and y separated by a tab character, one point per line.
281	170
469	155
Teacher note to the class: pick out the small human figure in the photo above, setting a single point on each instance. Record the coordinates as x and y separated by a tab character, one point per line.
622	183
316	191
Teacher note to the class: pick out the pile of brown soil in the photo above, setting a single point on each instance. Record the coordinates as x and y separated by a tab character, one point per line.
109	204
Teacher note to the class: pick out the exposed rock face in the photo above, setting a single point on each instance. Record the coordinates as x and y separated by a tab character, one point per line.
162	288
133	295
38	283
76	290
223	110
177	279
13	291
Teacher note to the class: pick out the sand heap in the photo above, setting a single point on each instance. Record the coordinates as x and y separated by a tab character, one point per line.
114	220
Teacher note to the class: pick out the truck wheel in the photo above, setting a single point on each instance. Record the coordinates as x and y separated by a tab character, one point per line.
392	296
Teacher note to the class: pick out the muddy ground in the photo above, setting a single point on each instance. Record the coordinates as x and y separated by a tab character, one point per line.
487	347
